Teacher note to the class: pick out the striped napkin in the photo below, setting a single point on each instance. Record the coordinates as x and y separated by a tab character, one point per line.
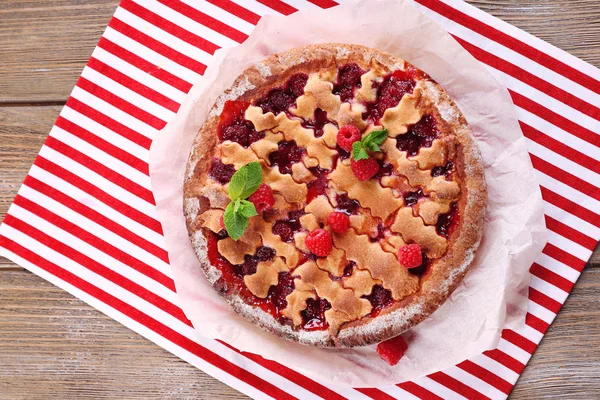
84	217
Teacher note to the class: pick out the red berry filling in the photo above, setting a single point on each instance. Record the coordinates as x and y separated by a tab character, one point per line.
281	99
234	127
349	268
377	235
220	172
422	134
278	293
445	170
385	169
317	186
348	80
318	123
379	298
286	228
346	204
313	317
390	92
287	153
263	253
412	198
447	223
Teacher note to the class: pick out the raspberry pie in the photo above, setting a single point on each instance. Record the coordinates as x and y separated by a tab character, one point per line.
368	205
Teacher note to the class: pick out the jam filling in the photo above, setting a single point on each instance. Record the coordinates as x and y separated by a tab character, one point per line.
318	123
423	268
348	81
346	204
263	253
412	198
234	127
379	298
385	169
220	172
349	268
286	228
448	222
313	317
390	92
317	186
281	99
378	235
422	134
444	170
277	294
287	153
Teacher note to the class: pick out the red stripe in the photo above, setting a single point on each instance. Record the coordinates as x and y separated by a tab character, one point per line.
324	3
96	267
571	233
145	65
109	123
513	44
102	145
98	218
157	46
119	103
518	340
457	386
375	393
565	177
289	374
486	376
536	323
99	194
564	257
169	26
551	277
132	84
418	391
544	300
236	10
555	119
560	148
506	360
100	169
278	6
151	323
95	241
206	20
530	79
570	206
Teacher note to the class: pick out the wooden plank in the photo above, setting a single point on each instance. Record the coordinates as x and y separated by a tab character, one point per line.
55	346
45	45
22	133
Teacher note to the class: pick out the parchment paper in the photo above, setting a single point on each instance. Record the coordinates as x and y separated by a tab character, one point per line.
493	295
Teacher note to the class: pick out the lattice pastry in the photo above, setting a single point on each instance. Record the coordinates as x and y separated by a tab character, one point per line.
349	251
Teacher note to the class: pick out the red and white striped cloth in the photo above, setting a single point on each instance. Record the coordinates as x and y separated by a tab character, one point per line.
84	218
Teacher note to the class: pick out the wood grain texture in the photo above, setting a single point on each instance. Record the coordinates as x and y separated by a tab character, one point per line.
54	345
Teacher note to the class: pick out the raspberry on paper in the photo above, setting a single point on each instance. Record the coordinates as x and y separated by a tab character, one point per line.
392	350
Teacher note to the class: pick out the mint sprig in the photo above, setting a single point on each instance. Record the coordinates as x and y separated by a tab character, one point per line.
371	142
242	185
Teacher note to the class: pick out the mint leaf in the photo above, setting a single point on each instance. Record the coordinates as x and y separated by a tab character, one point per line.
235	222
247	209
245	181
359	152
370	142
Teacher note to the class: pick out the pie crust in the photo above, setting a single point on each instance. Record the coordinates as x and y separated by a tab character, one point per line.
285	113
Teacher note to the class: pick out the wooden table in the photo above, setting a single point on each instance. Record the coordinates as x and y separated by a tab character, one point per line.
53	345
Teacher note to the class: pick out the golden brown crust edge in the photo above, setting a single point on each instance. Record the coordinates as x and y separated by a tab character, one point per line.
450	270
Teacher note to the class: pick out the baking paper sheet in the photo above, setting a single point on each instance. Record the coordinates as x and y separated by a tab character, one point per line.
493	296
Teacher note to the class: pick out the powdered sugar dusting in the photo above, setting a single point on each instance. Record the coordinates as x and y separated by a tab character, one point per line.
263	70
192	207
241	86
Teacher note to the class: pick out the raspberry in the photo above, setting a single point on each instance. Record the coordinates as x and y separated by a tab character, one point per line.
263	198
319	242
410	256
339	222
392	350
364	169
347	135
